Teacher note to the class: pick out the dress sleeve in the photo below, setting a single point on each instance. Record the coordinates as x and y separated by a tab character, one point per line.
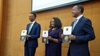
60	32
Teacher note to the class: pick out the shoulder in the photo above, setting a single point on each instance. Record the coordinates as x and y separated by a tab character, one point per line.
50	29
60	30
28	24
37	23
86	19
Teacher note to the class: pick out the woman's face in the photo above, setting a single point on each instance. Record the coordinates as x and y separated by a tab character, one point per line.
52	23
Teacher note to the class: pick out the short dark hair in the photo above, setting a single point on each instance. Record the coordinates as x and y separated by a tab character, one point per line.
33	14
80	7
57	23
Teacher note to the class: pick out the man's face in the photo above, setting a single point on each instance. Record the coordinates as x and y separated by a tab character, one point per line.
31	17
75	11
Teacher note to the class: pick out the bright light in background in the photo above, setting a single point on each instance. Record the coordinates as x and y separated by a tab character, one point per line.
39	5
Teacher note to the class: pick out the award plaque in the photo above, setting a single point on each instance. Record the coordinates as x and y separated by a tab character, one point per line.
23	35
67	31
44	37
45	40
66	38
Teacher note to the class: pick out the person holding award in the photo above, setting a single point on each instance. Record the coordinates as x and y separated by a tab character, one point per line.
82	33
53	48
33	33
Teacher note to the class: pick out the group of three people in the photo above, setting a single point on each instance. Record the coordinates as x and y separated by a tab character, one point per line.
82	33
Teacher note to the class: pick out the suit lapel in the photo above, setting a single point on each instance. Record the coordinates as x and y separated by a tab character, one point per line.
78	23
72	23
32	27
28	26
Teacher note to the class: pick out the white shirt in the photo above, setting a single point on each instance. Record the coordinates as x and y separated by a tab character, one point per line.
32	23
77	19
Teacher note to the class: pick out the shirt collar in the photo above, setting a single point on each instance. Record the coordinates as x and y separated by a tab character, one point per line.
32	22
79	17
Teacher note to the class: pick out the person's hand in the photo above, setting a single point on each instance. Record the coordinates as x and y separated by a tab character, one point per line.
62	35
49	37
28	36
72	37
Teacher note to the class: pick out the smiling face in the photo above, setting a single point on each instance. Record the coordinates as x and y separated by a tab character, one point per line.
52	23
75	11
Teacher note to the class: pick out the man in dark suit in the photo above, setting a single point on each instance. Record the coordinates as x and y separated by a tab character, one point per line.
82	33
33	33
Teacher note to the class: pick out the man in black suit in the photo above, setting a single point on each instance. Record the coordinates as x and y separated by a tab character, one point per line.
33	33
82	33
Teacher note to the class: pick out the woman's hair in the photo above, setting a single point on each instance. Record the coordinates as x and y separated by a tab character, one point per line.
57	23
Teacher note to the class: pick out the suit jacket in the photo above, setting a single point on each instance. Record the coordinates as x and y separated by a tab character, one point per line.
84	33
34	33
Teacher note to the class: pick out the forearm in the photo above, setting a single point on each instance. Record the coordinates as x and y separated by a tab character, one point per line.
56	40
84	38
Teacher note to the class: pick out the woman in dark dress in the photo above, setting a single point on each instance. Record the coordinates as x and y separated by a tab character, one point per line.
55	40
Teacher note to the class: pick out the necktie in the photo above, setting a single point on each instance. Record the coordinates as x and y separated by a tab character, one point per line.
75	22
30	28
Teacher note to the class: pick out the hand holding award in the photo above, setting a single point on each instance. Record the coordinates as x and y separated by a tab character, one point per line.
23	35
44	37
67	32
